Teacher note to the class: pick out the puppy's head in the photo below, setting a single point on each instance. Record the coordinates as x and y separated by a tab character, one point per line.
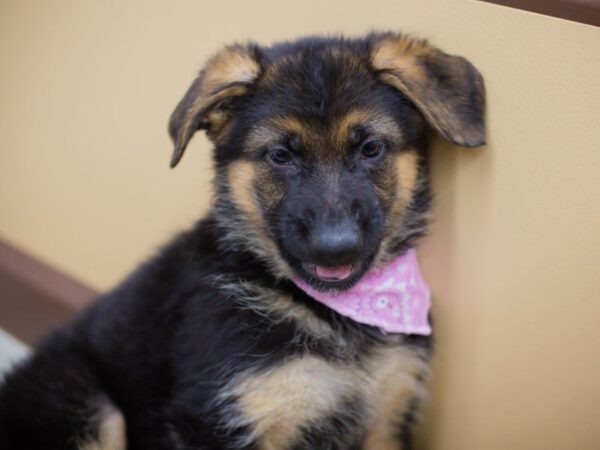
319	146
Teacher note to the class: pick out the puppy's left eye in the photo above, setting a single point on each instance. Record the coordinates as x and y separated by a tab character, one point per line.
372	149
280	156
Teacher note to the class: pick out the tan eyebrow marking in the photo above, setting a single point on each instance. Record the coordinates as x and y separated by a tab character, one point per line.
293	125
275	128
263	135
374	120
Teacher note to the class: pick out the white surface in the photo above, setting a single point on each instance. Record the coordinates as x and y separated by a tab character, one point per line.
11	351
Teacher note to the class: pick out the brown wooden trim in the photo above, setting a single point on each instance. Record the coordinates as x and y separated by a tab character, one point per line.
35	297
584	11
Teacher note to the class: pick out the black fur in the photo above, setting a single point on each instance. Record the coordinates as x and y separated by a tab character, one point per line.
165	342
160	346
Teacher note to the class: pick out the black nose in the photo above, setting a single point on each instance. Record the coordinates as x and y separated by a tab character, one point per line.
336	244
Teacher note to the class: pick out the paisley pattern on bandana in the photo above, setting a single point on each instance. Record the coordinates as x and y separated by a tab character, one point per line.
394	298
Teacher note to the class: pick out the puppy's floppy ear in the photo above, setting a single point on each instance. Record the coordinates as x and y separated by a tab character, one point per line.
447	89
207	104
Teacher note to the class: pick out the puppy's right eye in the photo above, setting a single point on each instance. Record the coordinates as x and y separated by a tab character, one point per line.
372	149
280	156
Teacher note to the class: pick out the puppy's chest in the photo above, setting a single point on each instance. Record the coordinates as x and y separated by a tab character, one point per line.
308	402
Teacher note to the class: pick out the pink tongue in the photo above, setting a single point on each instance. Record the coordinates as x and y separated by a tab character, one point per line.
334	273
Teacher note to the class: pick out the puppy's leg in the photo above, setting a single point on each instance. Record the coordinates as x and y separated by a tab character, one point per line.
110	432
408	423
401	375
55	401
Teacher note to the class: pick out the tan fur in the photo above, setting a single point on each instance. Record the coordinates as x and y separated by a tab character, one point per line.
293	125
396	371
241	180
271	132
271	304
111	431
233	64
406	168
401	53
241	177
215	118
271	188
381	124
226	75
262	135
402	61
278	403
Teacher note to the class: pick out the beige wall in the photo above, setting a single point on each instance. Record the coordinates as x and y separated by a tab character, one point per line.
514	256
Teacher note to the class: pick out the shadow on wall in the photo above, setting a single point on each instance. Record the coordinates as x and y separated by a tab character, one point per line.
461	184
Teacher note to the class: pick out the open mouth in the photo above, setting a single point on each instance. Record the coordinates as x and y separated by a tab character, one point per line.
329	274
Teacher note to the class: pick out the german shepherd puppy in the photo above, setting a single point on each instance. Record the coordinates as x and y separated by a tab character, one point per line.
320	158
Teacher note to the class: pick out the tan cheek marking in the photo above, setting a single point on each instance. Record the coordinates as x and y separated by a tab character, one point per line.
407	170
396	371
280	402
406	176
398	182
385	185
262	137
241	175
272	189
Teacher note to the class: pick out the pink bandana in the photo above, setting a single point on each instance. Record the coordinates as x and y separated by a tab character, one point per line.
394	298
